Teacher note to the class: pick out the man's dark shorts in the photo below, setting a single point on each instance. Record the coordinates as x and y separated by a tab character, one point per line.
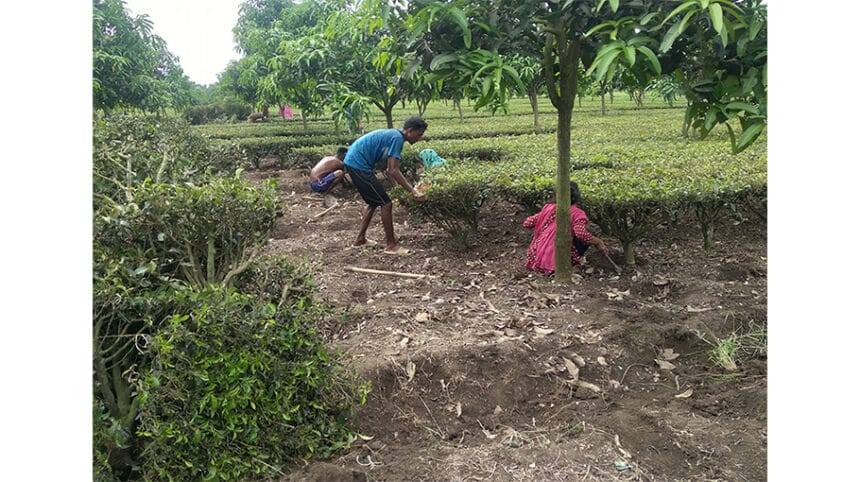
369	187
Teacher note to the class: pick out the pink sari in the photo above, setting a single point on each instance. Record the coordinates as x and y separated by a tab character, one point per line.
287	112
541	253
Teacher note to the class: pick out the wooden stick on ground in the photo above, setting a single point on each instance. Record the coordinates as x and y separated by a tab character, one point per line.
617	269
388	273
321	214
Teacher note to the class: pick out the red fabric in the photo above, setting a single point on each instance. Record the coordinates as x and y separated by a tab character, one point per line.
541	254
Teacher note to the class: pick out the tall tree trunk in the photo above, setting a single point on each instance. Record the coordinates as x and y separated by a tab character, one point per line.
562	92
266	110
304	121
403	103
579	98
611	97
389	118
533	100
602	103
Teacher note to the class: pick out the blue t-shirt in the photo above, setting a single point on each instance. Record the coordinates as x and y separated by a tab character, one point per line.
374	147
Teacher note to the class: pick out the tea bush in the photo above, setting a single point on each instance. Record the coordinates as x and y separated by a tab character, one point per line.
203	234
239	389
454	199
223	111
131	147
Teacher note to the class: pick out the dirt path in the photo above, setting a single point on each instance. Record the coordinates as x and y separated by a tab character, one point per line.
469	371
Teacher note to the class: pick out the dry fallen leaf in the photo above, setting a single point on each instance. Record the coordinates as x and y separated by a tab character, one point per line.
686	394
589	386
543	331
663	364
620	448
572	369
410	370
459	409
661	282
404	341
601	361
698	310
422	317
497	410
669	354
580	362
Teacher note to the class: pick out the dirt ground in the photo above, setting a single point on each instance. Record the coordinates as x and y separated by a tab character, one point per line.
473	370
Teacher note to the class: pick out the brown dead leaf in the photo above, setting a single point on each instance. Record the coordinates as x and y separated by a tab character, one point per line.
589	386
544	331
404	341
691	309
497	410
686	394
668	354
422	317
572	369
660	281
601	361
459	409
410	370
664	365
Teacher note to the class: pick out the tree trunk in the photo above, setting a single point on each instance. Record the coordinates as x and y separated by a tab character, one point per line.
403	103
562	92
629	258
708	235
459	108
579	98
602	103
266	111
389	118
611	97
304	121
533	100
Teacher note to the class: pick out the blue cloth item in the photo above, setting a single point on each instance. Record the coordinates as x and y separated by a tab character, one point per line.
323	183
430	158
374	147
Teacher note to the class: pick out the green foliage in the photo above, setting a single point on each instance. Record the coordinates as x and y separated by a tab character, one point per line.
239	389
129	148
221	111
203	234
454	200
279	280
131	65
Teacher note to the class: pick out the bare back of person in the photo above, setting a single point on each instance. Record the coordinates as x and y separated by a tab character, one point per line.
326	165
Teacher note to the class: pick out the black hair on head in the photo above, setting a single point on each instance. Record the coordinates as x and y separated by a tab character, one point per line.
415	123
574	193
341	152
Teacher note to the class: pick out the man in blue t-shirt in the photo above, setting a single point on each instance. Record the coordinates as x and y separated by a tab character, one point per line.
371	148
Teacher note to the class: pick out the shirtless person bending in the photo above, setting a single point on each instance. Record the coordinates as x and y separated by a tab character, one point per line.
328	172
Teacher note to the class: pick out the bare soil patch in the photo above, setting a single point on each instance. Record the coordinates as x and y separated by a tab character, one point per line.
469	371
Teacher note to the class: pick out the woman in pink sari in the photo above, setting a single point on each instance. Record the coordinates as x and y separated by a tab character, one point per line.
541	254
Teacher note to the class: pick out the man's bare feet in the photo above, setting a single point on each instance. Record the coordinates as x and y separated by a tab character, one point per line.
396	250
364	242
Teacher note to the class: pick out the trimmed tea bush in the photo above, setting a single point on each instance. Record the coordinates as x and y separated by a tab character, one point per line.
454	200
239	389
129	148
224	111
203	234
